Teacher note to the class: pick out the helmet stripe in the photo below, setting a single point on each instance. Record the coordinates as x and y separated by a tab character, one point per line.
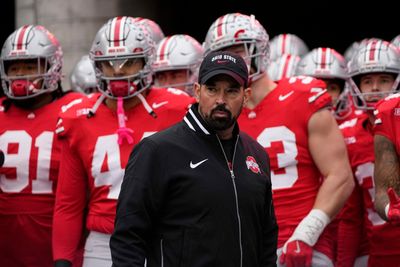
323	54
283	40
163	48
372	47
22	36
220	23
117	30
286	65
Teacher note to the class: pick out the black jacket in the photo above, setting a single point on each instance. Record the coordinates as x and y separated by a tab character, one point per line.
181	206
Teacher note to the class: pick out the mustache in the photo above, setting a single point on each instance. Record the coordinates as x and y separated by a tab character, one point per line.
220	108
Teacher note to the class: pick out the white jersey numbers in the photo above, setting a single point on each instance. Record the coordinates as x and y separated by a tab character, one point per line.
106	165
280	143
20	158
365	176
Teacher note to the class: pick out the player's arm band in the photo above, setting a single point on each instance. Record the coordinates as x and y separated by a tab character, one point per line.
311	227
62	263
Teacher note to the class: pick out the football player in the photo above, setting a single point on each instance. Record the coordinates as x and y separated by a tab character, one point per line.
31	61
98	134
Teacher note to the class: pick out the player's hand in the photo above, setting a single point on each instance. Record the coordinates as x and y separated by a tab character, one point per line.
393	213
296	253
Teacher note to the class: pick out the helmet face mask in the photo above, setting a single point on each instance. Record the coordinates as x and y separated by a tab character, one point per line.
178	78
235	29
373	56
119	43
35	46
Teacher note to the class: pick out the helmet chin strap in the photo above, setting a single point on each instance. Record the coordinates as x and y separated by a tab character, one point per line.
124	133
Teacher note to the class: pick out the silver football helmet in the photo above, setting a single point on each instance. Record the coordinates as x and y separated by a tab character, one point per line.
283	67
323	62
122	41
179	52
235	29
31	42
287	43
349	52
327	63
396	41
83	76
373	56
155	30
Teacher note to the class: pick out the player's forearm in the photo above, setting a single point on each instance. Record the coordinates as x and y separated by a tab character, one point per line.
334	192
386	172
67	234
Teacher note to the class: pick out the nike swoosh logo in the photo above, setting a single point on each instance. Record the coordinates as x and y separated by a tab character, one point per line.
157	105
283	97
195	165
298	250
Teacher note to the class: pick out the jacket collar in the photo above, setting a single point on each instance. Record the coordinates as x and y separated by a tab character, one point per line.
196	123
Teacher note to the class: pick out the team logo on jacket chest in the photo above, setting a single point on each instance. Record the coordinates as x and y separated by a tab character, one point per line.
252	164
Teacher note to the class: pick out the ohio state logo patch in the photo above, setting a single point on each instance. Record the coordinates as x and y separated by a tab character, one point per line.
252	164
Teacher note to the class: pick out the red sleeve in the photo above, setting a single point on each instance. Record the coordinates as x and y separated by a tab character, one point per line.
349	230
69	205
319	97
312	90
384	113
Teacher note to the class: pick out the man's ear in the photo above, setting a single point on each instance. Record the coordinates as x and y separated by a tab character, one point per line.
196	90
247	95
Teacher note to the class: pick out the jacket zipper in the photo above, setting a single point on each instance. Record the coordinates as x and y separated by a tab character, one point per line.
230	168
162	252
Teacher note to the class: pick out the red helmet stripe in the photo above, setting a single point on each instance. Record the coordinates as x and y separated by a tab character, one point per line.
163	47
323	55
287	61
117	30
220	23
21	36
372	50
283	38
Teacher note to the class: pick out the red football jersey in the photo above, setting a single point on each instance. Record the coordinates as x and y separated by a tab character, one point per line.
280	124
360	144
348	114
387	121
28	181
93	168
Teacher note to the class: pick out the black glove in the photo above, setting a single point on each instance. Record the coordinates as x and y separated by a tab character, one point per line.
62	263
1	158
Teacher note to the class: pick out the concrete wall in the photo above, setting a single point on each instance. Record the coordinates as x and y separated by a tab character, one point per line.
75	22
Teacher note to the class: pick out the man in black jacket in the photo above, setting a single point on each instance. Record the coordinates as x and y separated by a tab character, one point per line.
199	193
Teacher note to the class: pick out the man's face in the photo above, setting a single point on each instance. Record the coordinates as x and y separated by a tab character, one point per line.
221	101
25	67
375	84
334	88
121	68
172	77
26	75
